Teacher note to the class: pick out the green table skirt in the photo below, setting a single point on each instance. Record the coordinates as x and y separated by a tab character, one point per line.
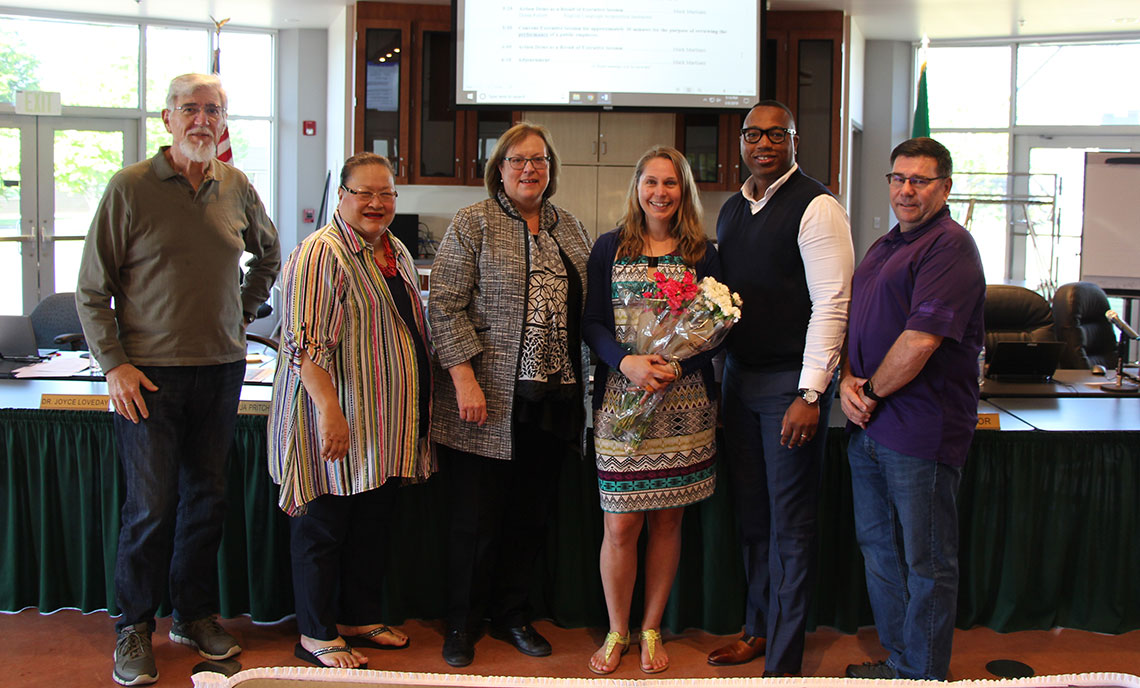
1050	528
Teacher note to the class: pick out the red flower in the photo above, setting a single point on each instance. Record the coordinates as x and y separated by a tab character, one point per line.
676	293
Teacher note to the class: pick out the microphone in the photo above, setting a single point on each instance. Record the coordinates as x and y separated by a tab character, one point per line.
1115	319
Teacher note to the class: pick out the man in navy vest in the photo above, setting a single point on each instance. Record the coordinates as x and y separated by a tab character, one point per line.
910	391
785	246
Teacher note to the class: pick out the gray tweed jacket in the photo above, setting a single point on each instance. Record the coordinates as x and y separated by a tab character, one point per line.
476	309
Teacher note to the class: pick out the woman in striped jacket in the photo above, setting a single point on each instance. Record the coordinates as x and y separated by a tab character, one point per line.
350	414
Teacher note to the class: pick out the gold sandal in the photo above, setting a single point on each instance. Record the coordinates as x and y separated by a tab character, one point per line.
652	638
613	639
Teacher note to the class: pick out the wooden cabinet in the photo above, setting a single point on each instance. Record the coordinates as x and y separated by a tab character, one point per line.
599	151
802	67
605	138
711	142
437	132
595	194
404	97
383	80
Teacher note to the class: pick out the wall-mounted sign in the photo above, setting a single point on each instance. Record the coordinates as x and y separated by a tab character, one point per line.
37	103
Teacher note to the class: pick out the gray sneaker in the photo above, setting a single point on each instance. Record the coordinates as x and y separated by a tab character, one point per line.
210	639
871	670
134	660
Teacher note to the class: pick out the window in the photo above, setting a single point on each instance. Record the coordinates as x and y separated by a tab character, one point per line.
104	73
55	168
968	87
169	52
1073	85
1021	117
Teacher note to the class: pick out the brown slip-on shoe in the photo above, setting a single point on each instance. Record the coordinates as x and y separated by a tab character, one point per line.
741	651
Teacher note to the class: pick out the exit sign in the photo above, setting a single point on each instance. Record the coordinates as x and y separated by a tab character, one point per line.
37	103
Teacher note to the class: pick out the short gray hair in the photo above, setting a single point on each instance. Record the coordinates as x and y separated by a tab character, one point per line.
182	86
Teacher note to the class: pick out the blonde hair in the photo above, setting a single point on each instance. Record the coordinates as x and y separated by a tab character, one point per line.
493	176
686	226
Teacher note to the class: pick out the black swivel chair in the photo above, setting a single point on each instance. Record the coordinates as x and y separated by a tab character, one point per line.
263	311
1090	339
56	323
1016	314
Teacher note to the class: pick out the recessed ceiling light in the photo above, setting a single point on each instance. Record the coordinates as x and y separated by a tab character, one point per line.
1126	20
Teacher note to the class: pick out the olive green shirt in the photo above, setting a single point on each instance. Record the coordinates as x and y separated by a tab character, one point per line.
160	282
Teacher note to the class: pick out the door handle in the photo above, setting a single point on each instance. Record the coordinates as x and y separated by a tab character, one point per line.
30	236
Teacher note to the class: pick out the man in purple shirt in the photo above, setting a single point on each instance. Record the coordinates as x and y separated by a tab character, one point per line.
909	389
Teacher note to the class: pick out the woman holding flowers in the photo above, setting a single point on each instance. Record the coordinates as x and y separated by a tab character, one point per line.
658	247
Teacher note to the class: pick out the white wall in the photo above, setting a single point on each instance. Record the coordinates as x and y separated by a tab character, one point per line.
339	99
302	96
886	123
436	205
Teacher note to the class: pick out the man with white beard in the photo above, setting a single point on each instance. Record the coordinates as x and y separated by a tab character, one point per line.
164	308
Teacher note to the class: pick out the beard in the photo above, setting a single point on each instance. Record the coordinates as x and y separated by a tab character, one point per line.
198	152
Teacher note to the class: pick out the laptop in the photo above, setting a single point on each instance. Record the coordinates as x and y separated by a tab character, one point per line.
1025	361
17	343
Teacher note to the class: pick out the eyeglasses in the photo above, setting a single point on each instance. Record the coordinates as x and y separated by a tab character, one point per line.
518	163
917	183
191	110
774	134
367	196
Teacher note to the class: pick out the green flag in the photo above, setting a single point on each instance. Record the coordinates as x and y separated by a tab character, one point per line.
921	108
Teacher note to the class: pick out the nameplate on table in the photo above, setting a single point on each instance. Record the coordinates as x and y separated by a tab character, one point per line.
988	421
253	407
76	402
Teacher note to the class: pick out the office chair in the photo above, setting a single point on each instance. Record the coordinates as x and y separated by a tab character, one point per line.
1078	309
262	340
56	323
1016	314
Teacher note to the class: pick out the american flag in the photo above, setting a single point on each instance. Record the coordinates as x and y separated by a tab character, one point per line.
225	154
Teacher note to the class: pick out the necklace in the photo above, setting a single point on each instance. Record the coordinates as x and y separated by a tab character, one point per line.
388	264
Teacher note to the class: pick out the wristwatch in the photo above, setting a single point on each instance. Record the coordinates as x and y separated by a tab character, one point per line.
869	391
810	396
248	318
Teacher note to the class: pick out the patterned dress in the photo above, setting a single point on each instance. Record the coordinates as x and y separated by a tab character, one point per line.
675	464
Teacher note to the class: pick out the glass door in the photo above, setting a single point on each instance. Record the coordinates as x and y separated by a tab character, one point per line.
54	170
1044	156
18	219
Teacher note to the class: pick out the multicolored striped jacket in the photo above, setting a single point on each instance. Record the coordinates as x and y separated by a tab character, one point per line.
338	309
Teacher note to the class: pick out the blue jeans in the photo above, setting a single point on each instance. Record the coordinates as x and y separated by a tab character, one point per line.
174	466
776	495
906	522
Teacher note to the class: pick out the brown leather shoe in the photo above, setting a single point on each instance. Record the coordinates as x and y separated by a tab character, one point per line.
741	651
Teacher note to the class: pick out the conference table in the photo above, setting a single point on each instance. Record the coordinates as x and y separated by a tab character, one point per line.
1049	527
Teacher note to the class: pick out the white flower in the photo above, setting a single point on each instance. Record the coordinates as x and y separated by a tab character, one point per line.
720	300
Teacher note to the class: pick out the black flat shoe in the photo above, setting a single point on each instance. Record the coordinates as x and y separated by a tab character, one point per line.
525	639
458	648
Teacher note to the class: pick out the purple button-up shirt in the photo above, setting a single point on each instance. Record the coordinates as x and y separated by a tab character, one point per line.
929	279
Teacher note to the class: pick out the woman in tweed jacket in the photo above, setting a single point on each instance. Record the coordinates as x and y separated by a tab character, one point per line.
507	296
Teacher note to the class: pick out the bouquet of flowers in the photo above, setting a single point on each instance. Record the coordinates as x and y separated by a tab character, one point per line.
677	320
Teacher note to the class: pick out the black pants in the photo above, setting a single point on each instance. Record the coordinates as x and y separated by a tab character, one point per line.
499	512
338	552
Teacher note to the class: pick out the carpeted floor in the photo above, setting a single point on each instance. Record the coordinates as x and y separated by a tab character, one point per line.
71	650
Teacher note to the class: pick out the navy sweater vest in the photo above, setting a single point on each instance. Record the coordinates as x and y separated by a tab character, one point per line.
760	258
